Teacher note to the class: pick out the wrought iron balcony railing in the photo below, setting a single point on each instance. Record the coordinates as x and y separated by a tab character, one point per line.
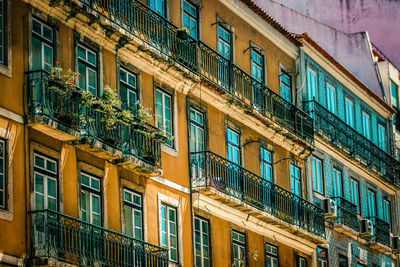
56	235
347	213
329	127
211	170
241	86
148	26
381	230
72	114
197	57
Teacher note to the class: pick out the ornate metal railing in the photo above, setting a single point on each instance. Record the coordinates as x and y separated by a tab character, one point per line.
223	73
72	114
347	213
152	28
211	170
56	235
149	26
381	230
329	127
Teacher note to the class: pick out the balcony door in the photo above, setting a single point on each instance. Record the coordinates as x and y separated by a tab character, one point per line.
196	142
337	183
371	197
233	142
312	84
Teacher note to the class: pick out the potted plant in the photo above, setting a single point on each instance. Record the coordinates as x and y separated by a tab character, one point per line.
182	33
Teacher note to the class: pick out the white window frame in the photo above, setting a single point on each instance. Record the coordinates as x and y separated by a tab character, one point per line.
270	255
44	41
349	117
190	16
42	172
135	208
260	67
318	183
129	87
89	66
331	98
238	244
224	42
89	189
310	90
164	123
6	66
198	127
201	232
295	180
366	131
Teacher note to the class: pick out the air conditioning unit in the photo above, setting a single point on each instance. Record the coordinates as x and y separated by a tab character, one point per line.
396	244
366	228
330	208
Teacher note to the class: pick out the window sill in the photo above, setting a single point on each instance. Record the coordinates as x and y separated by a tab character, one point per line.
6	215
169	150
5	70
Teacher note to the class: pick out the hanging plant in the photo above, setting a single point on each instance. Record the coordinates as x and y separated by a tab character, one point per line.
182	33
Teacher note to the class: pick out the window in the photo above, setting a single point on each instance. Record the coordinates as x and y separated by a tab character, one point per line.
88	69
295	180
91	199
233	146
330	98
224	42
202	238
322	254
257	65
3	37
337	183
312	84
239	249
355	193
363	265
3	166
45	184
366	125
301	261
42	46
191	19
271	255
349	110
169	230
196	143
343	262
266	164
128	89
133	213
159	6
371	197
317	175
387	211
164	114
286	86
395	94
381	136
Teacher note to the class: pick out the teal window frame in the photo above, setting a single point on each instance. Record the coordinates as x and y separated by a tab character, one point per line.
239	249
258	65
331	98
355	197
312	83
169	230
337	182
202	242
382	136
224	37
197	132
271	255
191	18
371	203
266	164
394	88
160	7
88	65
295	180
234	148
387	211
349	111
322	257
42	45
128	89
165	114
90	193
285	80
133	213
45	173
366	124
318	175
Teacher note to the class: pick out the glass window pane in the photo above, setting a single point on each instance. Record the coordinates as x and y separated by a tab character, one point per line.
128	220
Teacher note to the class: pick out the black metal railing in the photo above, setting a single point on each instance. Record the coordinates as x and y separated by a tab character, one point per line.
381	230
347	213
338	133
149	26
211	170
241	86
56	235
154	29
72	114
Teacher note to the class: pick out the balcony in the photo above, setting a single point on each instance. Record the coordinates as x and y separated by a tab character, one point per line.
347	221
58	237
68	119
196	57
381	233
335	131
222	179
220	72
